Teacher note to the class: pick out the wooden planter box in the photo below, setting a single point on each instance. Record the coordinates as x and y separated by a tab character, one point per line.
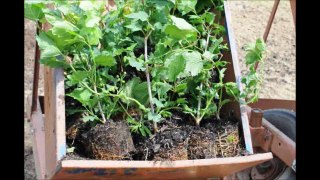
50	140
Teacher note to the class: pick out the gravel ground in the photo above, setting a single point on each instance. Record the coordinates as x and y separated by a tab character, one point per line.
249	19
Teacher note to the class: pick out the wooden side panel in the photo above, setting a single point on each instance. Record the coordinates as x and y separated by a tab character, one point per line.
38	140
274	103
233	74
186	169
55	138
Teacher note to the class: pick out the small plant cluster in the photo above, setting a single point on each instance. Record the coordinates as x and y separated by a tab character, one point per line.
142	60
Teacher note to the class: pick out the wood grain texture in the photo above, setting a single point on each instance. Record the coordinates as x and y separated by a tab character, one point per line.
38	141
184	169
234	75
55	118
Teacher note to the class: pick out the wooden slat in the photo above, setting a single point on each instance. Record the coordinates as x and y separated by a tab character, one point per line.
184	169
55	118
38	140
28	107
237	78
274	103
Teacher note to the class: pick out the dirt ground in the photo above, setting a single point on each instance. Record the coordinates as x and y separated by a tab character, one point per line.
249	19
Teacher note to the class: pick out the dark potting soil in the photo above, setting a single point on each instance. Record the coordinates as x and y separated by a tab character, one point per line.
178	139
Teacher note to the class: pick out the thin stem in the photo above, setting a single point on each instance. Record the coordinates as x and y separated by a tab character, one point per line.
99	106
219	108
199	117
155	126
169	108
199	102
131	99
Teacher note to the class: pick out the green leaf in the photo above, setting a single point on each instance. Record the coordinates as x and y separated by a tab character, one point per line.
92	21
86	5
194	62
143	133
78	76
154	117
146	129
182	24
162	88
175	65
208	55
81	95
47	46
158	103
105	59
181	101
140	92
53	62
180	88
255	52
180	29
134	26
186	6
136	64
57	22
141	15
225	101
89	118
33	11
70	150
137	90
208	17
251	57
93	35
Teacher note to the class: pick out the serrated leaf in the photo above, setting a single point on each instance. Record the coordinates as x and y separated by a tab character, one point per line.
182	24
194	62
78	76
175	65
88	118
57	22
251	57
92	21
141	15
162	88
137	90
186	6
180	88
180	29
105	59
140	92
208	55
136	64
33	11
53	62
93	35
47	46
81	95
158	103
134	26
154	117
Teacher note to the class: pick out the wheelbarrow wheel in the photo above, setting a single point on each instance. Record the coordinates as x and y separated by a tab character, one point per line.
285	121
